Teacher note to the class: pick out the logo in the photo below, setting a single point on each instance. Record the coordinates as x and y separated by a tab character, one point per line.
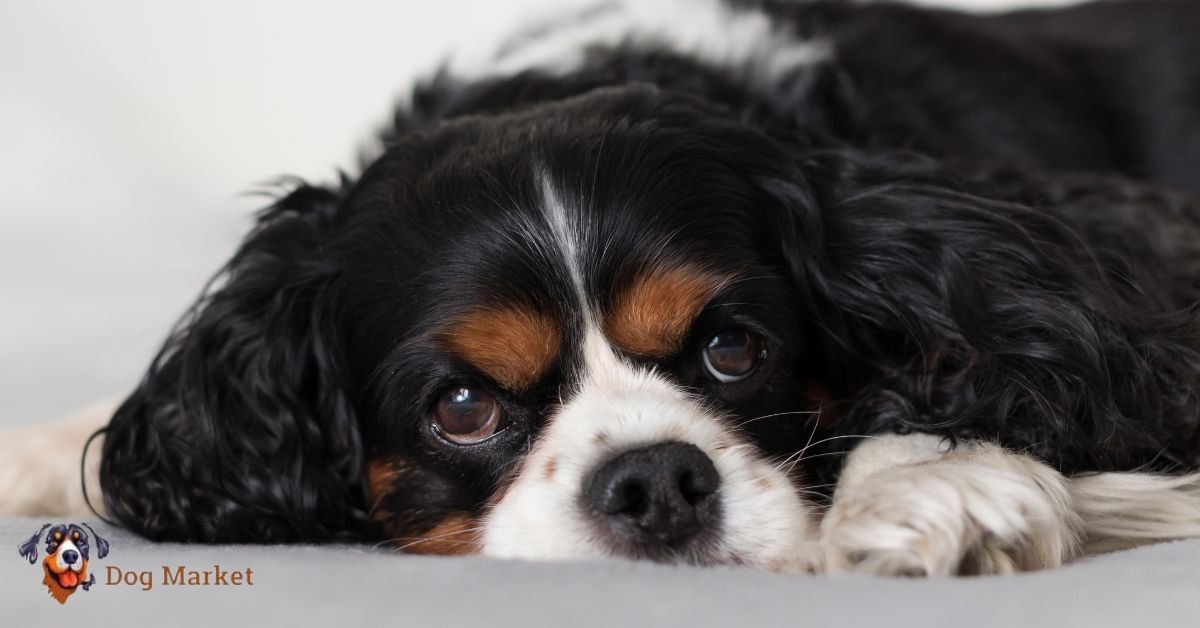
68	549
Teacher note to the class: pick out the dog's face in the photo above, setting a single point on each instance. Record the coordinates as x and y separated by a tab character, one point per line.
66	559
575	339
571	331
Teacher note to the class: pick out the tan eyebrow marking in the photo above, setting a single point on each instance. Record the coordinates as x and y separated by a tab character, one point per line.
652	316
512	344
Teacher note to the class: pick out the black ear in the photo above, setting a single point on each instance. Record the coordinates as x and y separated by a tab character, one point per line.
242	429
998	305
28	549
101	543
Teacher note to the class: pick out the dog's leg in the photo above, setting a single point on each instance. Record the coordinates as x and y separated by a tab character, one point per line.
907	505
39	466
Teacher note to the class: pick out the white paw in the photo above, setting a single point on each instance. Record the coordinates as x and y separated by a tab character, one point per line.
980	511
40	465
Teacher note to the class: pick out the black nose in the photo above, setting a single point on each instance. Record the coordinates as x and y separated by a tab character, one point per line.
70	557
661	495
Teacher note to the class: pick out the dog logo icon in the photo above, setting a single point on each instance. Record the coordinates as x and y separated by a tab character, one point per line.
68	548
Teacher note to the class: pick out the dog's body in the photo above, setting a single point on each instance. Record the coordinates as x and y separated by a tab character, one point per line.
634	288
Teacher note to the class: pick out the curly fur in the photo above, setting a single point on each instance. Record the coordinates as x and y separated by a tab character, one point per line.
241	428
959	225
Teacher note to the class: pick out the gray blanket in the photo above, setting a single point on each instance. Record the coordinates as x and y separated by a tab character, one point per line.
355	586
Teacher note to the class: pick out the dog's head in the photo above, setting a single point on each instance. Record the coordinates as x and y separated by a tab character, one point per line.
68	549
605	326
66	561
566	331
588	314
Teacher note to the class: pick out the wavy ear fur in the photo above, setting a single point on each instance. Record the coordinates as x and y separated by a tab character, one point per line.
242	429
1004	307
28	549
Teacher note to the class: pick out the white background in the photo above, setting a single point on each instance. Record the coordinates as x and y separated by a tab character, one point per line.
130	131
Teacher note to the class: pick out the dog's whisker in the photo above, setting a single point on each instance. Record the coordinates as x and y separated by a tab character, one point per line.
816	424
427	538
795	459
833	438
441	538
815	456
771	416
403	549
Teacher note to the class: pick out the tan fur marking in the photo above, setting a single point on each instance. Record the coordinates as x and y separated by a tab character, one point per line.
50	579
512	344
457	535
653	315
381	475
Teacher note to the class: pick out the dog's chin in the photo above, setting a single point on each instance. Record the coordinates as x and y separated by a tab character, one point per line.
778	546
777	537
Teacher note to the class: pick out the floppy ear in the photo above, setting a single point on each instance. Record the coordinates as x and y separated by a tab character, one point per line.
101	543
242	429
975	306
28	549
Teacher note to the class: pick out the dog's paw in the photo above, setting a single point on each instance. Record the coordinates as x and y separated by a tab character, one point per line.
986	511
39	465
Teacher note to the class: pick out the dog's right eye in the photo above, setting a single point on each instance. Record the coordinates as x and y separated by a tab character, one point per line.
467	415
733	354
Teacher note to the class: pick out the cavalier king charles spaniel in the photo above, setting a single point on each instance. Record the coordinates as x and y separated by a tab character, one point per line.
803	286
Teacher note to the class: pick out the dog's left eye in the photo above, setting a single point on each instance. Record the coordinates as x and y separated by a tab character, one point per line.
733	354
467	415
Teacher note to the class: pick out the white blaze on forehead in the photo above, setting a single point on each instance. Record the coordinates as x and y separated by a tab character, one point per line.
711	31
567	233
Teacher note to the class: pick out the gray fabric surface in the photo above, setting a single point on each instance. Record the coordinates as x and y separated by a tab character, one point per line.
352	586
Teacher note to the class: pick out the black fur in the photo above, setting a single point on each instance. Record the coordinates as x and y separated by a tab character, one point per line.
980	227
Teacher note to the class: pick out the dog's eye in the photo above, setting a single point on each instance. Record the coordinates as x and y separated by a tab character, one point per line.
467	415
733	354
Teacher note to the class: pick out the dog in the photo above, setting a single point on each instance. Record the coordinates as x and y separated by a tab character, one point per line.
801	286
66	561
